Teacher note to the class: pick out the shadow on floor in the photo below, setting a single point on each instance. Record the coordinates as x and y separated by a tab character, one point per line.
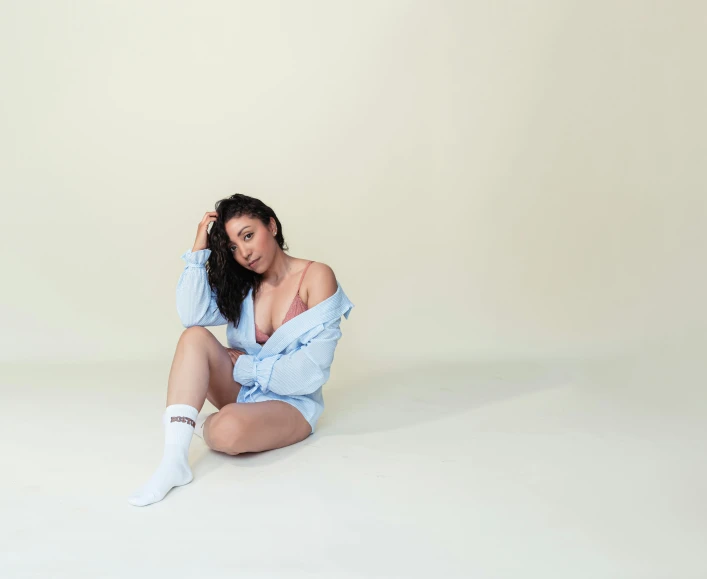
410	396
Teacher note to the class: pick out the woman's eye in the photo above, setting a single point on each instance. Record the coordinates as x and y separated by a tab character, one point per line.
246	237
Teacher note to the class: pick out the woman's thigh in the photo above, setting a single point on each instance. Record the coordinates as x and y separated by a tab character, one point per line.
223	389
257	426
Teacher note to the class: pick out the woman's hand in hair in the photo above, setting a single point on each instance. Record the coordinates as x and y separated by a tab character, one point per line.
202	234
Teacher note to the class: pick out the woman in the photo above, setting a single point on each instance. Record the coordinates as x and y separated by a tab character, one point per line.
283	315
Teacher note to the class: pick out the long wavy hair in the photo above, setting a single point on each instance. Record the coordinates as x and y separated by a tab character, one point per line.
230	280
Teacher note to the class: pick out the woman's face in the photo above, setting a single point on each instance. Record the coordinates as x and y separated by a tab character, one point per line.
251	241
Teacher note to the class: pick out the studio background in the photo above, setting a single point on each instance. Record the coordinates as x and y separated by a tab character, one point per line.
515	179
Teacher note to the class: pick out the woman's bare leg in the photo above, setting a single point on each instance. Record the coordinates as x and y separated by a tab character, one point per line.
201	369
255	427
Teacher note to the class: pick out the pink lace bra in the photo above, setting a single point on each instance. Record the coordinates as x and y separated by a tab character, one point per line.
296	307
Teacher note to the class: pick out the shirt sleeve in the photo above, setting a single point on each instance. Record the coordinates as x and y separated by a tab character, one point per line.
302	371
196	300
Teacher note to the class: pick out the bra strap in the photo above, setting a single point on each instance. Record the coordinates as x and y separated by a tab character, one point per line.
302	276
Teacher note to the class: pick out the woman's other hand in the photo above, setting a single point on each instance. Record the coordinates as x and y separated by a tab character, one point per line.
234	354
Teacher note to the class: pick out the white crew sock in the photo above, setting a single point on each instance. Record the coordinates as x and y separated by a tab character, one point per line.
199	428
174	469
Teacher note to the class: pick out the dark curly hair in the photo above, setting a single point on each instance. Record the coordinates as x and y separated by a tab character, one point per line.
230	280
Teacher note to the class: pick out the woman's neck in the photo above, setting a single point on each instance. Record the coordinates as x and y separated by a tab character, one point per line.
279	269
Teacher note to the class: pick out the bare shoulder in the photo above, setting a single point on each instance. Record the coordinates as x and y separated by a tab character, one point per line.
319	283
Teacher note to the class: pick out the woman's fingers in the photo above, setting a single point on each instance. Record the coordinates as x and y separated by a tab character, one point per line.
202	233
234	354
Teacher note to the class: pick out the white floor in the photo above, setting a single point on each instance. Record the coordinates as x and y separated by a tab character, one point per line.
528	469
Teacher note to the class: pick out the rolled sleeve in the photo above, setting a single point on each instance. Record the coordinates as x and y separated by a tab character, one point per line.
244	370
196	258
249	371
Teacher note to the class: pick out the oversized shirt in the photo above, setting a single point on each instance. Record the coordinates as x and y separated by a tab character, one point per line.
292	365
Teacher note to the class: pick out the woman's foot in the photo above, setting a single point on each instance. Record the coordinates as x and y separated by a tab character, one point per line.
173	471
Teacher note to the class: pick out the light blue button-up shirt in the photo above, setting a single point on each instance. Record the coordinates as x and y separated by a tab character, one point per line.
292	365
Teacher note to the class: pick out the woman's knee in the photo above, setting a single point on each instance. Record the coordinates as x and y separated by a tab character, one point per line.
198	338
228	430
195	333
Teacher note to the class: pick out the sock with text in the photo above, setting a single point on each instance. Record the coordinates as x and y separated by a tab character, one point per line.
179	421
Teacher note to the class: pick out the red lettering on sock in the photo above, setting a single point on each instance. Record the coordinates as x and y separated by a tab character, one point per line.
183	419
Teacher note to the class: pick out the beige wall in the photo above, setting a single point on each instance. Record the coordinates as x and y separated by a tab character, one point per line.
486	179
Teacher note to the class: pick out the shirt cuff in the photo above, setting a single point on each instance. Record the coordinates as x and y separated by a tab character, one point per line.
244	370
196	258
248	371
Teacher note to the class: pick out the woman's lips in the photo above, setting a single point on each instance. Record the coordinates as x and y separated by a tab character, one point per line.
252	263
